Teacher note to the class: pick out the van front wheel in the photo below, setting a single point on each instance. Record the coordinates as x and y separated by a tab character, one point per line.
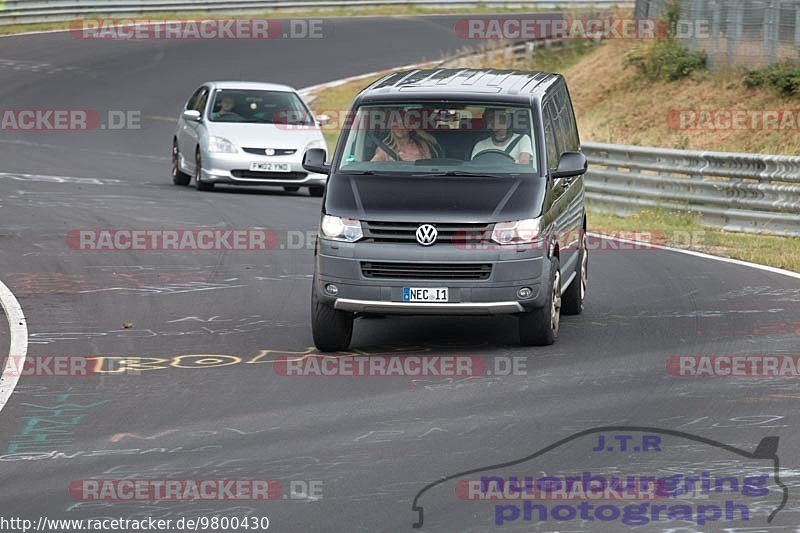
332	329
540	326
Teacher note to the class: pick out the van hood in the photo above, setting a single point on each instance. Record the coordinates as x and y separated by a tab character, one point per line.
435	199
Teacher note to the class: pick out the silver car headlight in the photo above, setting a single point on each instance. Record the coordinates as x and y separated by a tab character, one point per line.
220	145
341	229
518	232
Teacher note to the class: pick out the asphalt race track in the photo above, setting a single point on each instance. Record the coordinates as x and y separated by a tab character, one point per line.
370	443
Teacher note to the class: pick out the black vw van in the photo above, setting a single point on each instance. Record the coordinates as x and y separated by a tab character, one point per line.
453	192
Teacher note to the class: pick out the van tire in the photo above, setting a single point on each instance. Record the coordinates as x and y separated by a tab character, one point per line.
332	329
316	191
540	326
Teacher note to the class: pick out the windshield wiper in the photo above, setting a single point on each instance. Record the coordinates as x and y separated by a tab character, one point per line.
367	172
469	174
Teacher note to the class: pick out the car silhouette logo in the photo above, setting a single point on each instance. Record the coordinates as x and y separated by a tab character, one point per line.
269	151
426	234
765	453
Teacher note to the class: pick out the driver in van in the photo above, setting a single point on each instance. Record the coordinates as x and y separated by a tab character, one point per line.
503	139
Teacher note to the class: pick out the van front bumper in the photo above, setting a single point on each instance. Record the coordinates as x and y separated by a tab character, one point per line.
407	308
342	265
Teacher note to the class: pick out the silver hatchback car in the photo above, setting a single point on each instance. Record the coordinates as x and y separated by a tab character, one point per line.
246	133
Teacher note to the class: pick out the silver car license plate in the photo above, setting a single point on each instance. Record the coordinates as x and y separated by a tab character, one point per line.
270	167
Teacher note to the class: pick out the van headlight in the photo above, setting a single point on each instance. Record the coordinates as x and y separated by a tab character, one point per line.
220	145
517	232
341	229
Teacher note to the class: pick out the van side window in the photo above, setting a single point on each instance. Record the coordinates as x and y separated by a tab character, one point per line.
568	123
565	128
559	121
549	136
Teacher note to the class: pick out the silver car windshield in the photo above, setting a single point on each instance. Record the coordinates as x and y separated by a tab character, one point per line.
260	107
440	139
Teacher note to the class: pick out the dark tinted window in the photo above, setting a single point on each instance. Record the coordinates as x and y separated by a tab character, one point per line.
570	125
560	131
550	135
566	131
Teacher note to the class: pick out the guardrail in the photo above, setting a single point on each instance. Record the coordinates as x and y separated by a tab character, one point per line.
738	192
27	12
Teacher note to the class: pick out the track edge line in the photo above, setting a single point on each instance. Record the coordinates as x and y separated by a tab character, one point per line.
18	345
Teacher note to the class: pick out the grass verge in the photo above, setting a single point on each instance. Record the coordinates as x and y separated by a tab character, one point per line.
683	230
619	105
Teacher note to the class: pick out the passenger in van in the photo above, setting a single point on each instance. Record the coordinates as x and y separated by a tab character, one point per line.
502	138
405	142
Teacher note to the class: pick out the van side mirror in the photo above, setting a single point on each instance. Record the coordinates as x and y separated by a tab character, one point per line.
191	115
571	164
314	161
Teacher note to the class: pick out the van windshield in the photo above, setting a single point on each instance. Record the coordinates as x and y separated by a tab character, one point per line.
440	139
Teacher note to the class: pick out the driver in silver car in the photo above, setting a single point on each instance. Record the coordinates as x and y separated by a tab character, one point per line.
502	139
226	109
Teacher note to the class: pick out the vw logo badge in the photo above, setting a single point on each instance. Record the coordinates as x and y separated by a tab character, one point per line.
269	151
426	234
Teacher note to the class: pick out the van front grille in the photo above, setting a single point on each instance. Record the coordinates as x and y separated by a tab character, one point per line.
406	232
429	271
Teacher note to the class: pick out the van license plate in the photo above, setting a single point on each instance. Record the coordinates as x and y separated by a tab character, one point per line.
424	294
